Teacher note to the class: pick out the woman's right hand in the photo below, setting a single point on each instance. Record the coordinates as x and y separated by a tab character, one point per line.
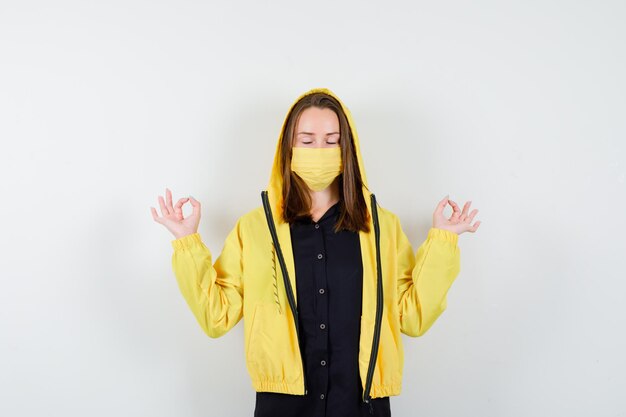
172	216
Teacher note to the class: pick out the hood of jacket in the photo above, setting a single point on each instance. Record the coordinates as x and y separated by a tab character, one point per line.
275	184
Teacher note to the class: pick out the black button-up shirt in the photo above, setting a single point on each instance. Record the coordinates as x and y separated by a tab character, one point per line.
329	287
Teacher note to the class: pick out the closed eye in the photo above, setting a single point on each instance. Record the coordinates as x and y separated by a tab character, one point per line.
328	143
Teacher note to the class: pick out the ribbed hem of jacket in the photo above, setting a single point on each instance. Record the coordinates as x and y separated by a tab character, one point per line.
443	234
280	387
379	391
376	391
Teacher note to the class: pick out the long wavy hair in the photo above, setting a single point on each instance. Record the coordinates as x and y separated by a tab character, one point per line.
353	213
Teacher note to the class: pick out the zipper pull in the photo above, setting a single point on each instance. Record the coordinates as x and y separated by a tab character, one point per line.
371	407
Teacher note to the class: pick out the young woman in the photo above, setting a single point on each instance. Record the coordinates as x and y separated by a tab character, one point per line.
324	277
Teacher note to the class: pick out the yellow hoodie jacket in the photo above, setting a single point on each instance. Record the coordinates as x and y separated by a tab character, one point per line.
254	278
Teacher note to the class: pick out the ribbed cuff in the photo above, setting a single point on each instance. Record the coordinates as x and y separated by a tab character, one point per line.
186	242
442	234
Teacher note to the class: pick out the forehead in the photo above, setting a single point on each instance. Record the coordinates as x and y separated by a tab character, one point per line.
314	119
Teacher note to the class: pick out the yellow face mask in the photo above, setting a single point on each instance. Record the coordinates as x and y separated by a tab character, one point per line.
318	167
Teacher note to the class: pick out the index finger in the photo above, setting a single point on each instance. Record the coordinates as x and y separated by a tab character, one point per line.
179	205
455	207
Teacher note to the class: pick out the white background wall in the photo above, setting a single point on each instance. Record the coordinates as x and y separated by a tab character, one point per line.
517	106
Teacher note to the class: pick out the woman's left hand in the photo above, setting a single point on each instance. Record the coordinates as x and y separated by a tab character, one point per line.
459	222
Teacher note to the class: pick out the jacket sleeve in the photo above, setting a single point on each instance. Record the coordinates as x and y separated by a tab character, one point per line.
214	292
425	278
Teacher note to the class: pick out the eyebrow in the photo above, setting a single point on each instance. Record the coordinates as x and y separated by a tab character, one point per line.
311	133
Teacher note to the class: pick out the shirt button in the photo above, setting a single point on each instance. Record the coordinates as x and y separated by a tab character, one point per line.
319	256
322	326
321	290
322	396
317	226
323	362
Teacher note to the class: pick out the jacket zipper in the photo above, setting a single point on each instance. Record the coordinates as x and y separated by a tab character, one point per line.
379	295
283	267
379	310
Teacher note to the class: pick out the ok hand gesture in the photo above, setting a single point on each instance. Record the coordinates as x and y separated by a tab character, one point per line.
172	216
459	222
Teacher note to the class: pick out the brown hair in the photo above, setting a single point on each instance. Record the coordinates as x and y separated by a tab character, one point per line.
353	213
